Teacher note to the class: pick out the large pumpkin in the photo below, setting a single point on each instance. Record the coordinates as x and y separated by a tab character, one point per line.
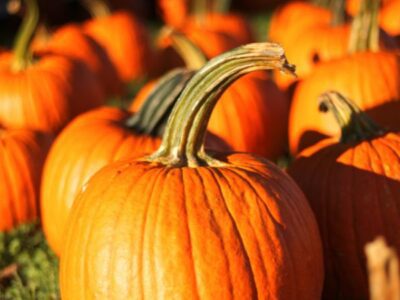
44	91
95	139
22	154
182	224
368	75
353	186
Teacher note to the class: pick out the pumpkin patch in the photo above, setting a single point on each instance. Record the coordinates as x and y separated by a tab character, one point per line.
199	149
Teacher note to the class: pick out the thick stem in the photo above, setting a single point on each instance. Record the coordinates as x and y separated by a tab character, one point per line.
22	55
193	57
221	6
97	8
184	136
355	125
364	34
337	7
152	116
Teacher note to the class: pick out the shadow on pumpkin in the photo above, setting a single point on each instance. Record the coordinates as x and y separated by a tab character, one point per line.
353	205
386	115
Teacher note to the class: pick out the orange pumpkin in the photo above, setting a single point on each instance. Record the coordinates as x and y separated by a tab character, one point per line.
389	17
126	42
96	139
22	153
353	187
44	91
174	12
71	41
181	223
368	75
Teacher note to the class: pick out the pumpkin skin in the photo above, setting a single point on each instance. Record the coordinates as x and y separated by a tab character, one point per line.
168	214
88	143
294	18
174	12
320	43
22	154
261	114
126	42
354	191
389	17
372	77
47	94
71	41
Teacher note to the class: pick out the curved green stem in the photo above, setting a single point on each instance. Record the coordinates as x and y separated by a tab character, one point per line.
22	55
355	124
183	139
97	8
193	57
152	116
364	34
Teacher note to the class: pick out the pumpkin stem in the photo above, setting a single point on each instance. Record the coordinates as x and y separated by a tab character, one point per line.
22	55
355	124
221	6
183	138
152	116
97	8
193	57
364	35
337	8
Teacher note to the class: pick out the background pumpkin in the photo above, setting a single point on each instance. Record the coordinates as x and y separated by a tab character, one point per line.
45	91
96	139
353	186
71	41
367	74
123	37
22	154
261	238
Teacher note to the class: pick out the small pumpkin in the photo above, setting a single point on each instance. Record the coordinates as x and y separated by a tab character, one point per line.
124	38
367	74
353	186
182	223
94	140
22	154
44	91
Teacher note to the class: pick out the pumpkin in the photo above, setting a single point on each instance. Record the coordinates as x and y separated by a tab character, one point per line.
368	75
71	41
95	139
389	17
317	42
294	18
123	37
353	186
22	153
174	12
261	110
183	223
43	92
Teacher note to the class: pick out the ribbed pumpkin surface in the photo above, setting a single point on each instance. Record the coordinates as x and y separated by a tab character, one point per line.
22	153
144	231
354	191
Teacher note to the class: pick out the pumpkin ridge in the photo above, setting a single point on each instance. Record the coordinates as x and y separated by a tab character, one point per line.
355	227
386	186
194	267
212	173
155	178
7	163
90	225
236	227
386	144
